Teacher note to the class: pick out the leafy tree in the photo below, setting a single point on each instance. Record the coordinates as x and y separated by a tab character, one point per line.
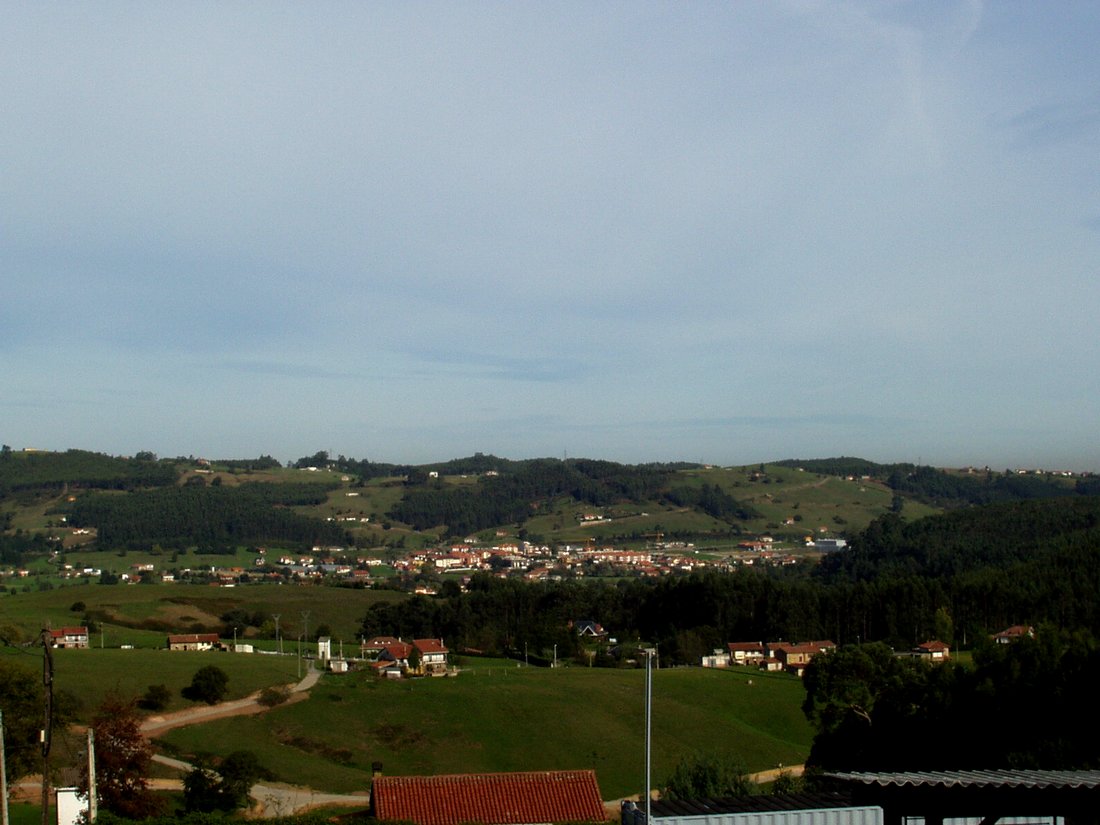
239	772
201	790
414	659
123	757
786	783
156	698
708	776
207	685
944	627
21	702
222	788
874	711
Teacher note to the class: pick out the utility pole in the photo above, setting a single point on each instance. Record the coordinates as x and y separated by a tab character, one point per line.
93	806
3	777
46	734
278	640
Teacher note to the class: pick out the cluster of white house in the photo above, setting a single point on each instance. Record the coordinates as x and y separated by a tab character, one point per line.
794	657
385	655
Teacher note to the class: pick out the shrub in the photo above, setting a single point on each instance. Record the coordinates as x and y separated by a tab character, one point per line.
272	696
156	697
207	685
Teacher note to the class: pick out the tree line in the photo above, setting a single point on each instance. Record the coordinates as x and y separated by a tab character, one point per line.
1026	705
80	468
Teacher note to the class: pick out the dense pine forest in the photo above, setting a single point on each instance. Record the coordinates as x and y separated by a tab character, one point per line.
206	517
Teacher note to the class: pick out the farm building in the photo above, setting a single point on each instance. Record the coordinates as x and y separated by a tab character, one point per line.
194	641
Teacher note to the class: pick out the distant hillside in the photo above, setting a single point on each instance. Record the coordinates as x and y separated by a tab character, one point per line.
947	489
211	517
80	468
513	496
996	536
360	503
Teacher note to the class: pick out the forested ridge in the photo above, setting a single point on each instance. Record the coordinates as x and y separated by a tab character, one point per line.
517	495
207	516
80	468
945	489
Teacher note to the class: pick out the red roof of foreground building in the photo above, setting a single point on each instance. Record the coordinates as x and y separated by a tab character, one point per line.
489	798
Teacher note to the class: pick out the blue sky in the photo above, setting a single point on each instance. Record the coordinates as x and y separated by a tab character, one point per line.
722	232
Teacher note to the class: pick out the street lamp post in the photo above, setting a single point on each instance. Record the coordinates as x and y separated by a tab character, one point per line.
648	727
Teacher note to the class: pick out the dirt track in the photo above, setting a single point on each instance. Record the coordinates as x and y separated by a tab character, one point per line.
272	799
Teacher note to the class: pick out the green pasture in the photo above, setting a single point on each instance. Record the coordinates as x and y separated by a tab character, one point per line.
500	717
92	674
178	606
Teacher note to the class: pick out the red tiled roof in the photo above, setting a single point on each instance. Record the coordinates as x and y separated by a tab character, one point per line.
193	638
380	642
748	647
933	645
489	798
1015	632
429	645
69	631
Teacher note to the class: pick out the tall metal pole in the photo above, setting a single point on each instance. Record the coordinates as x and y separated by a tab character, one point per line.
648	728
3	777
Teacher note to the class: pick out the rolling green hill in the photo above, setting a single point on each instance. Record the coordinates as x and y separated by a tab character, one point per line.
252	500
499	717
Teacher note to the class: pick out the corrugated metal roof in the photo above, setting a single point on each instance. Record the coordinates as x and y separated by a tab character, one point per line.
755	803
490	798
977	779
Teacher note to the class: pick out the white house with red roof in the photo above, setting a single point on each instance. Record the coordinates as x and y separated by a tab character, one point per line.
194	641
933	651
1014	633
746	653
433	657
69	637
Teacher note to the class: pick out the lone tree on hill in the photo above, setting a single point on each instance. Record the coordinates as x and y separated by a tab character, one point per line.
207	685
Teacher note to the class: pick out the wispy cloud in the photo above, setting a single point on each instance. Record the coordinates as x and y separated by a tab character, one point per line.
537	369
285	370
1049	124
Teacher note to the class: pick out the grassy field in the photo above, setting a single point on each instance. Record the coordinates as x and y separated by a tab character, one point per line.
91	674
497	717
178	606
